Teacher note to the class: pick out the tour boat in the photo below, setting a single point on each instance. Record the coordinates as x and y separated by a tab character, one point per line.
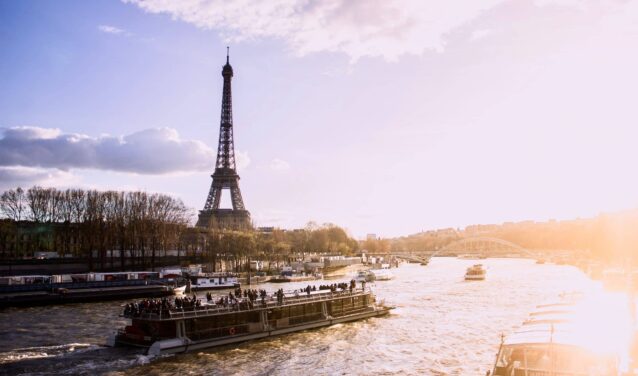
163	329
475	273
552	342
214	281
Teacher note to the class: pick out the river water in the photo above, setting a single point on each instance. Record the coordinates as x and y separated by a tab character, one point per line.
442	325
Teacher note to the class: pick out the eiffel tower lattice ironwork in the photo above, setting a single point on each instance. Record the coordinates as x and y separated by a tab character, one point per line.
225	175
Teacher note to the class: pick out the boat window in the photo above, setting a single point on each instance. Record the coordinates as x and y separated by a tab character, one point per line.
313	308
279	313
347	303
226	320
296	311
337	305
548	358
309	308
254	316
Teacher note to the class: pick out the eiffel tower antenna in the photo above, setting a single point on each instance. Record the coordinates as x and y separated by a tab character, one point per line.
225	176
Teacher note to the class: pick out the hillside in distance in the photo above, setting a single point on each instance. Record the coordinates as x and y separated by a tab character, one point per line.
613	235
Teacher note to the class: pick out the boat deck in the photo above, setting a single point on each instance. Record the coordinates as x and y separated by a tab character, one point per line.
210	309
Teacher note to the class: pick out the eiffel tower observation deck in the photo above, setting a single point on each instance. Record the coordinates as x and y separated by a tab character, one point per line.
225	176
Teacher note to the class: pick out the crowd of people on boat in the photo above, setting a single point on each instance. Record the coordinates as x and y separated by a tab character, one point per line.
161	306
339	286
187	302
250	296
136	309
240	299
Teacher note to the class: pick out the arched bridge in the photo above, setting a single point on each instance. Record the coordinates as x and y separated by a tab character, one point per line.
484	245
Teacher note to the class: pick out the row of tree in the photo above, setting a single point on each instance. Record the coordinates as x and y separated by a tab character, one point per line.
88	223
134	228
277	246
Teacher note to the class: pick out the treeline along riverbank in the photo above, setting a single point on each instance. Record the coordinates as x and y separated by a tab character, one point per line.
110	230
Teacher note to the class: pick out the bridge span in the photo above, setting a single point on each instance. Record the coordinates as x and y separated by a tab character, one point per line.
478	246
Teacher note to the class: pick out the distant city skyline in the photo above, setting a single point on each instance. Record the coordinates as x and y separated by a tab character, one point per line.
386	118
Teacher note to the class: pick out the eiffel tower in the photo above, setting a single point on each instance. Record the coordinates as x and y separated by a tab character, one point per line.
225	175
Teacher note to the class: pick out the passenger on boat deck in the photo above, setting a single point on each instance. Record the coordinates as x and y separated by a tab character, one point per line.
156	306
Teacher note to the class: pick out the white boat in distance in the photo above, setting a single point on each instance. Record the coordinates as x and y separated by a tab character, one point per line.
382	274
216	281
365	276
475	273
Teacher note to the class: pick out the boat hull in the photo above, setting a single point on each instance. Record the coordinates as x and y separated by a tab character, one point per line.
474	278
216	287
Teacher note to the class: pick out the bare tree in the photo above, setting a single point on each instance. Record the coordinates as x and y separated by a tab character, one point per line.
38	202
13	204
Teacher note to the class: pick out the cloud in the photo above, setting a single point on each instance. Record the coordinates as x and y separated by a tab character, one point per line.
11	177
279	165
150	151
111	30
387	28
358	28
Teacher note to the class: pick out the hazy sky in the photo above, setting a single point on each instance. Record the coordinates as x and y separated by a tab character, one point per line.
384	117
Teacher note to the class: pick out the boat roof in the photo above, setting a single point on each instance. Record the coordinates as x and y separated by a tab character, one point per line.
27	276
556	304
550	318
544	333
552	312
568	324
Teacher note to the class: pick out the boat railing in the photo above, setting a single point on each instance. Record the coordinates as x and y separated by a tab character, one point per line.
271	302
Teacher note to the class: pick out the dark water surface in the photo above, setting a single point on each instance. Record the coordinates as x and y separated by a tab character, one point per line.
442	326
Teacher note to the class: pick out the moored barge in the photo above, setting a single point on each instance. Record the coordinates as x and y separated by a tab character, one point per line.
213	281
166	329
33	290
